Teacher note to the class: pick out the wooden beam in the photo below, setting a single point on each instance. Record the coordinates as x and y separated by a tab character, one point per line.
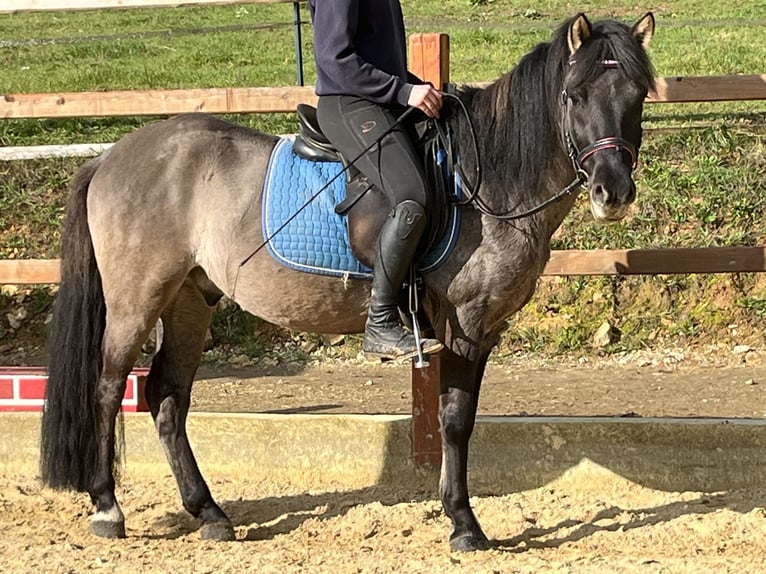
709	89
684	89
429	60
676	261
15	153
11	6
29	271
285	99
426	435
155	102
657	261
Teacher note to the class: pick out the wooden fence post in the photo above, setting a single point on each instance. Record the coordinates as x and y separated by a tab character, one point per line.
429	60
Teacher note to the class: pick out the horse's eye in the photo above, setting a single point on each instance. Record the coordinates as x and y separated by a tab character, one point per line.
576	98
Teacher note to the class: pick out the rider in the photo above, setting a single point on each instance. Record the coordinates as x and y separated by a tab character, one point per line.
363	86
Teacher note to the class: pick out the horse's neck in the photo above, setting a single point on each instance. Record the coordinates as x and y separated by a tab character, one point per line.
505	194
536	229
560	176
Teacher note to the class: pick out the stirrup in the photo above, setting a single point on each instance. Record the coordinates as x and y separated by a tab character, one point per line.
424	348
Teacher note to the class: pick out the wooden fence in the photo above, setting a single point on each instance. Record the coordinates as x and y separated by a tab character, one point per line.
11	6
429	58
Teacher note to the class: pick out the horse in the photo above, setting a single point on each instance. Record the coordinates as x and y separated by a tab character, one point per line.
164	223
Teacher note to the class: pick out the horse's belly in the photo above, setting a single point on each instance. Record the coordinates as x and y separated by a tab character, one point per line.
302	301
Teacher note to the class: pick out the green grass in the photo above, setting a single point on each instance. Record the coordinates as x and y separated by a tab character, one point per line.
701	182
696	187
487	39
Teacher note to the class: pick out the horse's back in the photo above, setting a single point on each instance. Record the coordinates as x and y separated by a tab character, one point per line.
182	153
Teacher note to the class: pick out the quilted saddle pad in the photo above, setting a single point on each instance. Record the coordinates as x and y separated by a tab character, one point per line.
303	231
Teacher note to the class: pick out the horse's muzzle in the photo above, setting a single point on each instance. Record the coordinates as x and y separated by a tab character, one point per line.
611	201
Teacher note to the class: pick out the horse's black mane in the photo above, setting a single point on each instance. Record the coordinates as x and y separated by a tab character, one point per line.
517	116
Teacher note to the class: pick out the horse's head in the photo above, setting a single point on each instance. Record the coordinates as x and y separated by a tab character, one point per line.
606	80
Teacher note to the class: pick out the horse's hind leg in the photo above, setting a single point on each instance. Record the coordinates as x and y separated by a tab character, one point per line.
108	520
168	392
128	322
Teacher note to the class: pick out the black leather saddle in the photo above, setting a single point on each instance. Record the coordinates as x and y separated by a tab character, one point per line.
311	143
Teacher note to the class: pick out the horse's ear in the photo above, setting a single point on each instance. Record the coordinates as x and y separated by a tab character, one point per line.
579	32
643	30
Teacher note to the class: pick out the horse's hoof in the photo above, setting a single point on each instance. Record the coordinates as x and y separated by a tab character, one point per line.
221	531
106	529
469	543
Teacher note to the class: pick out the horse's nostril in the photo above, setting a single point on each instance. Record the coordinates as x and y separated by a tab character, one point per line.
600	194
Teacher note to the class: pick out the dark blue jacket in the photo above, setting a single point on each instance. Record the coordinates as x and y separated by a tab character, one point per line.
360	49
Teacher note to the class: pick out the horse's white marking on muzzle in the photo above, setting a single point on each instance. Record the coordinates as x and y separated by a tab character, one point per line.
616	213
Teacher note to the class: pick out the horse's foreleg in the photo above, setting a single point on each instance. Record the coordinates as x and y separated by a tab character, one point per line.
168	392
461	381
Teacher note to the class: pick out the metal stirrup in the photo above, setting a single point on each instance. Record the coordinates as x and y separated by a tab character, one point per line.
421	361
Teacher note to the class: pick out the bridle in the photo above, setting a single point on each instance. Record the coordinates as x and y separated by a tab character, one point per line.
612	142
577	157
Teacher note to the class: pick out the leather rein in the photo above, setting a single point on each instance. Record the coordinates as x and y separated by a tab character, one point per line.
576	157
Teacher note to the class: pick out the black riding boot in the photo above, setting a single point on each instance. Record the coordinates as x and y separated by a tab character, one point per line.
384	336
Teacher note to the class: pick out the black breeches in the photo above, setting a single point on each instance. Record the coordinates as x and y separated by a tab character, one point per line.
353	123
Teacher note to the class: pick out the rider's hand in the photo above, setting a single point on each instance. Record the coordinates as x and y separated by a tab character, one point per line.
426	98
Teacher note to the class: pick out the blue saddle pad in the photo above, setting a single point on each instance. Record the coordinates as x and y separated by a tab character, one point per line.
301	227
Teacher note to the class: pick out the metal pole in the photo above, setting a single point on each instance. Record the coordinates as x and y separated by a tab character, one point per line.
298	50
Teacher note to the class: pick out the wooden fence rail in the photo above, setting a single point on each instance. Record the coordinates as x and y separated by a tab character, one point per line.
155	102
12	6
285	99
570	262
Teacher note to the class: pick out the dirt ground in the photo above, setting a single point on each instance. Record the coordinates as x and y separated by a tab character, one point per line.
565	526
710	382
569	525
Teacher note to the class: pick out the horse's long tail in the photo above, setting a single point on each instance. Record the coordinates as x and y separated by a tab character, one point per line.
69	439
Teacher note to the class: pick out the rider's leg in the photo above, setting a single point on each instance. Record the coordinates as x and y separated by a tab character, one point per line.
384	337
353	124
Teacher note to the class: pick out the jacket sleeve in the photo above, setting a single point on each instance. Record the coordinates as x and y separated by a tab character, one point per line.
335	24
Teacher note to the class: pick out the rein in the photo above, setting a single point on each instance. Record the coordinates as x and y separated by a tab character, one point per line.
576	157
472	197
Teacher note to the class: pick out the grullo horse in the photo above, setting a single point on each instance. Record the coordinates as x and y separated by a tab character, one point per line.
166	222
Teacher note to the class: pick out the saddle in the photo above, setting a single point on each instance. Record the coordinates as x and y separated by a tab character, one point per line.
311	143
365	206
